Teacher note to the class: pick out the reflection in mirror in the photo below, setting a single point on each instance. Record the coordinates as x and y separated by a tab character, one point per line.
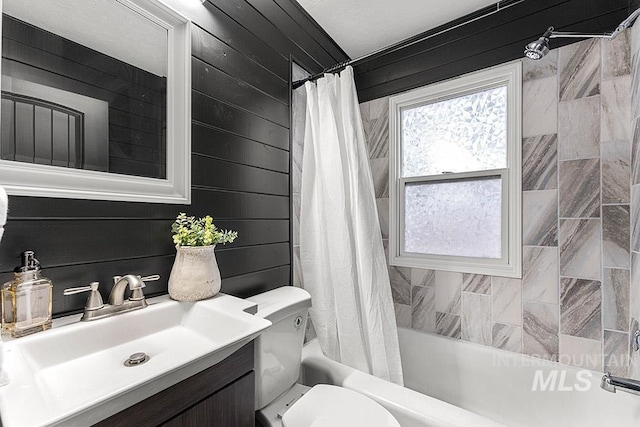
74	92
95	100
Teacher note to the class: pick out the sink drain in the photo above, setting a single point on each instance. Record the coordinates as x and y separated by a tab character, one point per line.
136	359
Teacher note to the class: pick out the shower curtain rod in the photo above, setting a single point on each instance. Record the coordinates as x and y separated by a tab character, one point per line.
499	6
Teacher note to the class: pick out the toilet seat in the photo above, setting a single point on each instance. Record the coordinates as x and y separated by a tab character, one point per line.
332	406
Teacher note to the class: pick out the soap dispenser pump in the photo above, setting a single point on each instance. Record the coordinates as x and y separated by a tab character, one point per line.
26	300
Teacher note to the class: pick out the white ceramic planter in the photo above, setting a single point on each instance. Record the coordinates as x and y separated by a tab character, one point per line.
195	274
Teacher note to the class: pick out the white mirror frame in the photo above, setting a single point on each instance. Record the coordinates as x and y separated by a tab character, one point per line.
26	179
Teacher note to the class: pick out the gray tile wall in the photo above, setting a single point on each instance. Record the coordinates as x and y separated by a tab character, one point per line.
573	303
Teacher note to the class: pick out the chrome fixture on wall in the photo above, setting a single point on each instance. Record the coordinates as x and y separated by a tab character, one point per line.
539	48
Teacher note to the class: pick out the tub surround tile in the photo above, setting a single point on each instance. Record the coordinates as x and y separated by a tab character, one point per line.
378	138
476	318
579	69
616	299
616	56
616	171
383	216
297	268
295	238
423	277
540	107
635	218
540	162
547	66
615	236
400	278
477	283
448	325
540	330
364	114
580	188
540	218
380	175
403	315
580	308
507	300
634	289
580	248
540	274
616	109
579	128
580	352
635	153
379	108
616	353
506	337
448	292
423	311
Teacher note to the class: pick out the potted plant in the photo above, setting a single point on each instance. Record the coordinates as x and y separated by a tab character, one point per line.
195	274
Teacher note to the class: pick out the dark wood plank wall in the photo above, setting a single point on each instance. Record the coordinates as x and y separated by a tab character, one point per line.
241	54
483	43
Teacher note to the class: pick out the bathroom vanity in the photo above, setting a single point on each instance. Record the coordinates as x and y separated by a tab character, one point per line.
199	367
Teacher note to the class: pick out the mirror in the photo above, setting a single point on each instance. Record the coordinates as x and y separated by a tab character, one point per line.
95	100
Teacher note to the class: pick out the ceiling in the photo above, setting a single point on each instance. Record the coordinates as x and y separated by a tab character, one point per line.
363	26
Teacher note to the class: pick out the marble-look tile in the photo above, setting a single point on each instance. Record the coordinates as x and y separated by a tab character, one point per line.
615	299
448	292
378	138
295	238
580	352
580	308
476	318
540	218
635	218
616	109
544	67
507	337
423	277
477	283
634	291
364	114
616	353
579	128
635	153
540	330
448	325
540	162
506	296
540	107
580	241
423	310
616	56
616	170
403	315
579	194
579	69
379	108
380	175
297	268
540	274
400	278
383	216
615	236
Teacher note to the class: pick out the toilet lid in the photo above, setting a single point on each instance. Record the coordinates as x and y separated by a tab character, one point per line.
332	406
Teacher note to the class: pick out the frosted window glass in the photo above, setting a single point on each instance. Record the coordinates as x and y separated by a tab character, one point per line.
459	218
462	134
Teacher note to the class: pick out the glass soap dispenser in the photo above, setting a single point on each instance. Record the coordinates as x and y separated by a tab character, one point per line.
26	300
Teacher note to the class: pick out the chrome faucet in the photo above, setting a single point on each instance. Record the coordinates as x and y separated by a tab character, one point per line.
612	384
96	309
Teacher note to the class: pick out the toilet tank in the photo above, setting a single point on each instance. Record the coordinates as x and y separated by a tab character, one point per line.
278	349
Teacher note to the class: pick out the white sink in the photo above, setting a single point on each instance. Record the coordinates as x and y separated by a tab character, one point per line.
76	373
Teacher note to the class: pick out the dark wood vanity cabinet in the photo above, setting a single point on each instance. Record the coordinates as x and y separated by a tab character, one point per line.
222	395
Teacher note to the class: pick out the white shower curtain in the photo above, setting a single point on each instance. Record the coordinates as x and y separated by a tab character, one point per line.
341	252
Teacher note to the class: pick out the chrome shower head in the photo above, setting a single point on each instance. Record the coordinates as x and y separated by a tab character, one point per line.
539	48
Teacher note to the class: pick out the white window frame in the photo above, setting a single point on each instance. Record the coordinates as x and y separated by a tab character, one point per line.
510	265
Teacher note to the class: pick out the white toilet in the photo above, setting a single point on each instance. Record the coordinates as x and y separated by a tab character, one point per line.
280	401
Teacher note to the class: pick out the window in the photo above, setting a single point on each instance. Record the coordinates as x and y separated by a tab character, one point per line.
455	174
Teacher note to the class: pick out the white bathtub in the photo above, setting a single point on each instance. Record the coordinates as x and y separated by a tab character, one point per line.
458	383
